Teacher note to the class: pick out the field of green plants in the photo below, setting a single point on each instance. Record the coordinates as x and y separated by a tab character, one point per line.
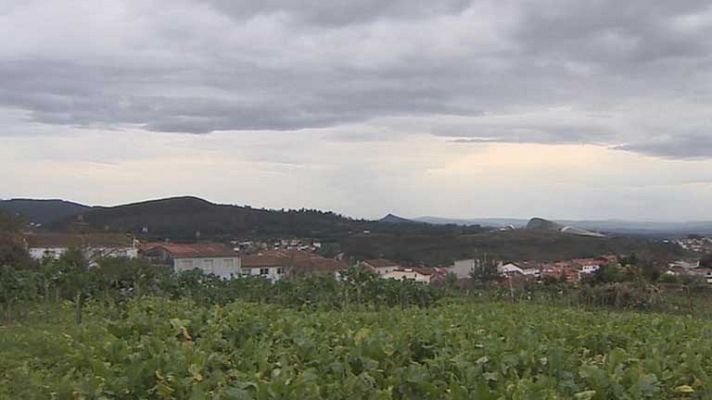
161	348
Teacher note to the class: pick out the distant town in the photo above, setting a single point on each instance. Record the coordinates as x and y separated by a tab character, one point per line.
283	258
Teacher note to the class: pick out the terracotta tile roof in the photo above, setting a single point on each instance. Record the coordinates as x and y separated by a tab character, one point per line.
381	263
262	260
318	264
66	240
589	261
298	261
192	250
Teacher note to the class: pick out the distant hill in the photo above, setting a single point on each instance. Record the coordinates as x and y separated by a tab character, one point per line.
494	222
515	245
541	224
394	219
42	211
625	227
646	228
190	218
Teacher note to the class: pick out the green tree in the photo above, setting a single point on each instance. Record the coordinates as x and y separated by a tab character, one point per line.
15	287
71	277
10	223
485	272
13	252
608	273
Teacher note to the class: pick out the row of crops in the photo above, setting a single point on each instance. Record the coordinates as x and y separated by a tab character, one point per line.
118	280
177	349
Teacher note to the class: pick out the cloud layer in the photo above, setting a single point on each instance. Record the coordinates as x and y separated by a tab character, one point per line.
634	75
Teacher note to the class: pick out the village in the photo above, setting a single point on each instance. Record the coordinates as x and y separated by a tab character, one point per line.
283	258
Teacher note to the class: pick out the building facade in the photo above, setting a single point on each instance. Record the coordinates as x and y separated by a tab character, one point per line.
94	246
416	274
380	266
210	258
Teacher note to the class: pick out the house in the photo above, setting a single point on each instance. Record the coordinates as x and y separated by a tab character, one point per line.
530	272
211	258
317	265
509	269
588	266
417	274
271	265
560	269
685	264
93	245
379	265
278	264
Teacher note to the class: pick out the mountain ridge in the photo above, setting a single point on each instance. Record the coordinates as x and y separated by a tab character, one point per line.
612	226
53	211
190	218
42	211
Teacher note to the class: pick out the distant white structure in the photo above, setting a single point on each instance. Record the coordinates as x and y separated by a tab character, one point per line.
269	265
509	269
589	269
462	268
380	266
685	264
279	264
94	246
416	274
210	258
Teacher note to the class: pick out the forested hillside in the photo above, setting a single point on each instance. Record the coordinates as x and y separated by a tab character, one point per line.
42	211
189	218
507	245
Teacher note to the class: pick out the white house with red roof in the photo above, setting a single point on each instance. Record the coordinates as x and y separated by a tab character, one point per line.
93	245
211	258
277	264
380	266
417	274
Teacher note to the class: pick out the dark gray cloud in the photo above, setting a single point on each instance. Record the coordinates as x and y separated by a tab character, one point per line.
631	74
338	12
694	146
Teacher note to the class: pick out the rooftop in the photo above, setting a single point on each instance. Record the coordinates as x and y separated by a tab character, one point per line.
192	250
299	261
381	263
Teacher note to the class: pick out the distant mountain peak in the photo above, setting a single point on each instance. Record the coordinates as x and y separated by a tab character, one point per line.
394	219
177	199
541	224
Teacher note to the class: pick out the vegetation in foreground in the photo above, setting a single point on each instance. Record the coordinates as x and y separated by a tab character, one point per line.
176	349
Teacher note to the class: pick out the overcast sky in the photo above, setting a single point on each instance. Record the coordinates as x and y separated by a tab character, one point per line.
455	108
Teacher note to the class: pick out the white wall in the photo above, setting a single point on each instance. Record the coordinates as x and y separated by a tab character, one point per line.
407	274
509	269
463	268
224	267
38	253
271	273
386	270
